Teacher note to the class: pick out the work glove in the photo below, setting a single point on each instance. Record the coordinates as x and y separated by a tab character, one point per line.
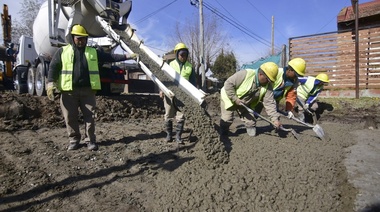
290	115
239	102
133	56
50	90
162	95
306	107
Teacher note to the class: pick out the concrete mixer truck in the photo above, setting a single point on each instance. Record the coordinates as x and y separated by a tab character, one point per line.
50	31
104	20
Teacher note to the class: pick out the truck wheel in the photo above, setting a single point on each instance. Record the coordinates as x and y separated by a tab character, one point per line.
30	81
20	87
40	80
105	91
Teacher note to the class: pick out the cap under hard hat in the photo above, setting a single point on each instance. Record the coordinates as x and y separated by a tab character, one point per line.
298	65
79	31
270	69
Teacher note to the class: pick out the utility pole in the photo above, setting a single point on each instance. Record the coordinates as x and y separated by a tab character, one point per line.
201	47
272	35
201	42
355	6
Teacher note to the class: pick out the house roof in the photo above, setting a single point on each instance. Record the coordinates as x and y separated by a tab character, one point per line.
365	10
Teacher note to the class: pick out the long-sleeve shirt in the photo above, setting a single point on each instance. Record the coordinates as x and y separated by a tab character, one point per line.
234	81
318	87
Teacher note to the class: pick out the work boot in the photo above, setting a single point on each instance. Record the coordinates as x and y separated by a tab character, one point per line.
224	128
178	135
73	145
251	131
92	146
169	130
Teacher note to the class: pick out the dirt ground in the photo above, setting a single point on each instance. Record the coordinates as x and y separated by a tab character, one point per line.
136	170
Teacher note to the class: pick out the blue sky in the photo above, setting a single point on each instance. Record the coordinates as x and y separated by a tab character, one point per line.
155	20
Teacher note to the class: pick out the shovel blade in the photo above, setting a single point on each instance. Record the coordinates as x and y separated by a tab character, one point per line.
319	131
295	134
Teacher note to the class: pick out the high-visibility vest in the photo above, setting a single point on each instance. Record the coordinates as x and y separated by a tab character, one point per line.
243	89
279	82
186	71
65	82
306	90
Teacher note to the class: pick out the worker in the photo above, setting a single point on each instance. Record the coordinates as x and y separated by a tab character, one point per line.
74	72
285	85
307	93
249	87
185	69
11	52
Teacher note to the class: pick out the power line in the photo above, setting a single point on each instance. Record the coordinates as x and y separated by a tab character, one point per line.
326	24
269	21
240	27
155	12
228	12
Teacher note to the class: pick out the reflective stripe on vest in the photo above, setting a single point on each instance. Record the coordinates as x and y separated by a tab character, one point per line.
304	90
66	77
243	89
186	71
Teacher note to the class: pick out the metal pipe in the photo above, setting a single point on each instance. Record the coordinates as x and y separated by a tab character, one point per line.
107	28
185	85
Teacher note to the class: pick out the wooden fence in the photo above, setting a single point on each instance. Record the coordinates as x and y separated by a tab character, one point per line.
334	54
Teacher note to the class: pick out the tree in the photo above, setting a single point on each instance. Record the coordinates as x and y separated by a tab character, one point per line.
214	39
225	65
24	26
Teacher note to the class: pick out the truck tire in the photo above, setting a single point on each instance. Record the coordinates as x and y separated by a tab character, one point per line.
31	80
105	91
19	80
40	80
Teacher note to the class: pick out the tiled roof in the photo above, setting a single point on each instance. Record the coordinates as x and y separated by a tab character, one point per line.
365	10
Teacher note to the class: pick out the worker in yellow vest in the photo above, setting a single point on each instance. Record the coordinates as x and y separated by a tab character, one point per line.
249	87
285	85
74	71
307	93
184	68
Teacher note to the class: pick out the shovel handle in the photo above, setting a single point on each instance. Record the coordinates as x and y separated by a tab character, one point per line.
265	119
256	114
303	105
295	134
296	119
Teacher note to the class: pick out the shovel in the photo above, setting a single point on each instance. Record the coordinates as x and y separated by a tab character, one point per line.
316	128
308	111
295	134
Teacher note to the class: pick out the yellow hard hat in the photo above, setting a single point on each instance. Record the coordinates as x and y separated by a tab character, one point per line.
270	69
323	77
180	46
298	65
79	30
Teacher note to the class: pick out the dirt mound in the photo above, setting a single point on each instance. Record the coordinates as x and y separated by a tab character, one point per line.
33	112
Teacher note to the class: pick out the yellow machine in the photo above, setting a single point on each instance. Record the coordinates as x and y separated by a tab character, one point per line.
6	73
